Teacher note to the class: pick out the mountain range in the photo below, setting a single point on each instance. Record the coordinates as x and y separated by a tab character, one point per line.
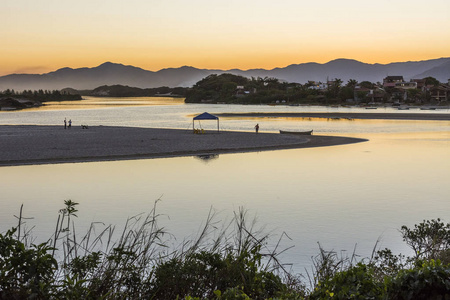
112	73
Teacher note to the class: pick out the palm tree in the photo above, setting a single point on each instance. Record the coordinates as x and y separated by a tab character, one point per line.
351	83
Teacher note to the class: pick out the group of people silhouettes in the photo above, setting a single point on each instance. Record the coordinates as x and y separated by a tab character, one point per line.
65	123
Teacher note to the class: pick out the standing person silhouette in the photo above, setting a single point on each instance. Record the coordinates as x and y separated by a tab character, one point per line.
70	123
65	123
257	128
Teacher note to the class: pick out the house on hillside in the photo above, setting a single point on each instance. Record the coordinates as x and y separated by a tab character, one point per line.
314	85
390	81
241	91
406	85
440	93
420	83
331	82
362	94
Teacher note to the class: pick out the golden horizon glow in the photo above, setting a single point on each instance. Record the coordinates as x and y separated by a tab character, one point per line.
43	36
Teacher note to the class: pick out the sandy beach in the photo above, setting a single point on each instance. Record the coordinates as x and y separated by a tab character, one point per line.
347	115
25	145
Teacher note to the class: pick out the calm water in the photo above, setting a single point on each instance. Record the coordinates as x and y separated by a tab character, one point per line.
339	196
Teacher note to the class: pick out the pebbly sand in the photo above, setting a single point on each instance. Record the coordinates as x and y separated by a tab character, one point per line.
28	144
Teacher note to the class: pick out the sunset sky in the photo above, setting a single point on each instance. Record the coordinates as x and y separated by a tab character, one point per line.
45	35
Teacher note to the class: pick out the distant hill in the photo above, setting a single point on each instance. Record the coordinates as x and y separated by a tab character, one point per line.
113	74
439	72
346	69
104	74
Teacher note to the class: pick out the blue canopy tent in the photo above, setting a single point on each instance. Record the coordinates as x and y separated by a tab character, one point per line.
205	116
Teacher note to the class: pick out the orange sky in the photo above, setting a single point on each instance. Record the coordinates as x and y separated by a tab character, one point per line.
42	36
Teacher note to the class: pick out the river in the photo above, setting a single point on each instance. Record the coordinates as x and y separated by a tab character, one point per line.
343	197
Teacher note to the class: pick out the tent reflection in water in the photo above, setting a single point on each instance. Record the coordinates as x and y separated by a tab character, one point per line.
205	116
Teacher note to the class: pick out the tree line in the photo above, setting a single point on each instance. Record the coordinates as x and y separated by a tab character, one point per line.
229	88
127	91
40	95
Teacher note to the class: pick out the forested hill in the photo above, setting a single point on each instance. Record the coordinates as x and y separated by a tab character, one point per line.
229	88
127	91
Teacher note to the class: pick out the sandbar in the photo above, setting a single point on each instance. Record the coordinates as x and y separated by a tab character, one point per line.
30	144
347	115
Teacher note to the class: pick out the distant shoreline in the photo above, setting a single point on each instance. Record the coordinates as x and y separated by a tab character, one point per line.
30	144
345	115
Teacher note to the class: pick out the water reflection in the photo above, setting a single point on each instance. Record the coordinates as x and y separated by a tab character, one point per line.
206	158
108	102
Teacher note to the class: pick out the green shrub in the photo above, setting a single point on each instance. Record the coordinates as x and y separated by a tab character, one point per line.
385	263
429	281
202	274
357	282
428	238
25	272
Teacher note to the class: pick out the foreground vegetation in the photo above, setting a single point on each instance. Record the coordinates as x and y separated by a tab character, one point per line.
233	262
